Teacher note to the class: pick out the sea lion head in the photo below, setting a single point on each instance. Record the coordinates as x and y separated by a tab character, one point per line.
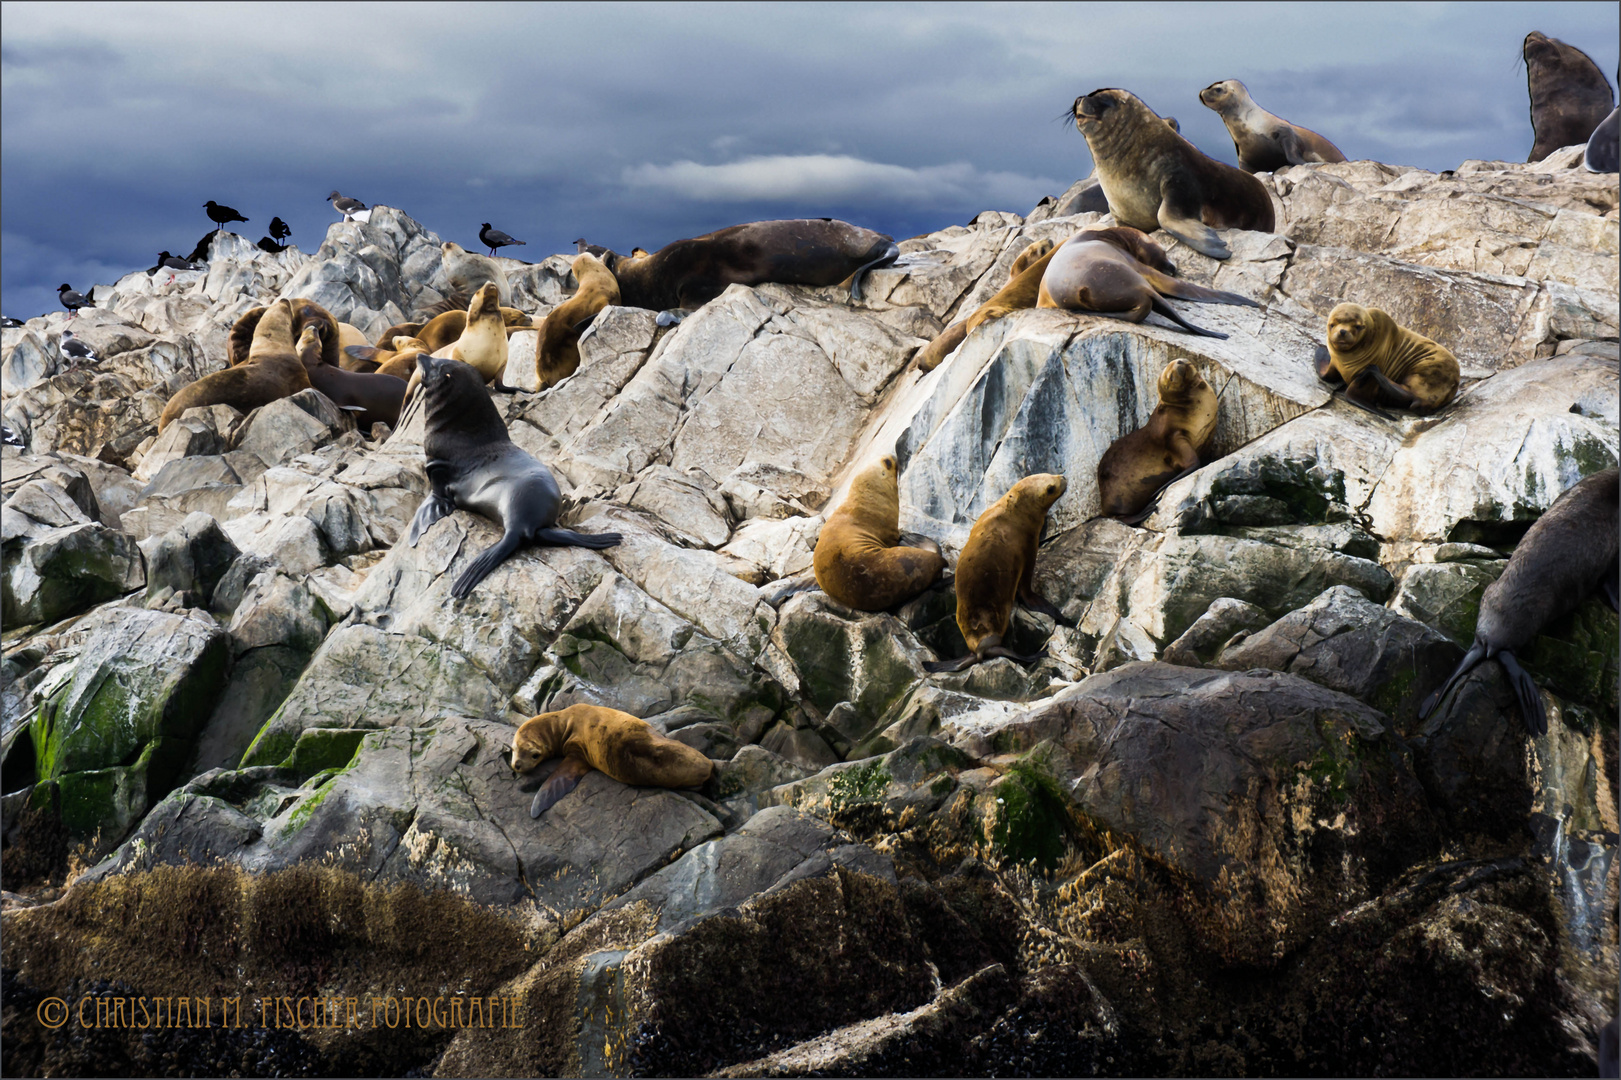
444	379
1540	48
1178	381
486	301
1224	95
1347	324
410	345
876	487
309	346
1038	492
533	743
1102	110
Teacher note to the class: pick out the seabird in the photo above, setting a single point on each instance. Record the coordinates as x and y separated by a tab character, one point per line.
581	247
71	300
267	244
495	238
76	351
8	322
279	229
221	215
172	264
349	208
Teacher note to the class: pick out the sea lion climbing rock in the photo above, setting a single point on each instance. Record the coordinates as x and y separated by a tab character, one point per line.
557	355
1382	363
1020	292
1139	464
1265	143
859	559
588	737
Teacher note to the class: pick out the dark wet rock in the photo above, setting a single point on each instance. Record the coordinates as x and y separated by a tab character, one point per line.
1225	622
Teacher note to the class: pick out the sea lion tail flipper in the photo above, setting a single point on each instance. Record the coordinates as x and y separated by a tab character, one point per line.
890	253
434	507
1324	363
488	560
570	538
938	666
1160	306
1476	653
1167	285
1034	601
564	779
1525	688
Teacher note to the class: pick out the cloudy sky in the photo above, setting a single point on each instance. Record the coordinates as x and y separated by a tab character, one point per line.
641	124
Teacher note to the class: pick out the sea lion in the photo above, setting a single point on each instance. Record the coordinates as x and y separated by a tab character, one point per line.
443	329
1566	556
1117	274
997	567
482	343
1020	292
467	270
1603	152
557	354
859	559
1154	178
590	737
270	372
474	465
1382	363
1139	464
801	251
1265	143
304	312
405	329
1570	96
1089	198
372	398
402	361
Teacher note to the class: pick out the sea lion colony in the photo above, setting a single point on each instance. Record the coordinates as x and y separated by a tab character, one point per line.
1147	175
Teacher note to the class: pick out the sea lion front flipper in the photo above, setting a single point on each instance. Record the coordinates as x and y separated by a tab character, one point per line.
570	538
1289	145
1525	688
434	507
1324	363
1179	215
564	779
1391	393
1476	653
362	352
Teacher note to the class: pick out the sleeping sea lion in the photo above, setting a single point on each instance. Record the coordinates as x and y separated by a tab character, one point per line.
1156	179
372	398
1020	292
270	371
481	344
467	271
1119	273
801	251
590	737
1139	464
1265	143
1382	363
473	465
859	561
1566	556
996	570
405	329
557	354
1570	96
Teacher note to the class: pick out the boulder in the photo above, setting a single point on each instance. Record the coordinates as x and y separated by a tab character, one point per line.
189	559
64	570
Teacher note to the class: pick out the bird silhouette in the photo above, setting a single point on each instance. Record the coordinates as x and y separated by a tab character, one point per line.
495	238
221	215
279	229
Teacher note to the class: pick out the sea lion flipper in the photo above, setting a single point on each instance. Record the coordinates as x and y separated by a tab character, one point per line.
1161	307
434	507
362	352
884	258
564	779
1289	145
488	560
1179	215
1166	285
939	666
1324	363
1476	653
570	538
1525	689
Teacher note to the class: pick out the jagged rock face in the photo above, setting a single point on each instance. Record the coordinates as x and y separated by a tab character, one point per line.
1072	866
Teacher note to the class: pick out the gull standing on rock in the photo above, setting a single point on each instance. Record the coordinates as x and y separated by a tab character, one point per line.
495	238
71	300
221	215
76	351
351	209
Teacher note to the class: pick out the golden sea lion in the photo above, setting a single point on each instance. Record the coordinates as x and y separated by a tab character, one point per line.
372	398
1570	96
859	561
1382	363
1566	556
557	353
402	361
1119	273
1139	464
593	737
1265	143
997	568
405	329
1156	179
443	329
1020	292
271	371
482	344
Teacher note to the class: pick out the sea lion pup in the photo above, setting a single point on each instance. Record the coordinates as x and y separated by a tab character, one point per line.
859	561
1020	292
557	355
473	465
1603	152
467	270
271	371
1566	556
1570	96
801	251
1156	179
372	398
1265	143
1119	273
481	344
996	570
1382	363
1137	465
592	737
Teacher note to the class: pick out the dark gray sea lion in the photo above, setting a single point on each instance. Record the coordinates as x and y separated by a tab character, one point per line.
1156	179
371	397
1569	94
801	251
474	465
1604	145
1569	554
1265	143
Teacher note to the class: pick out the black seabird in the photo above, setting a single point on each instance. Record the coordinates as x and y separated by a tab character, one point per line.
279	229
495	238
8	322
346	206
221	215
267	244
71	300
76	351
172	264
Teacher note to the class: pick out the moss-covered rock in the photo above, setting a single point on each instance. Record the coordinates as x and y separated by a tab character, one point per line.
65	570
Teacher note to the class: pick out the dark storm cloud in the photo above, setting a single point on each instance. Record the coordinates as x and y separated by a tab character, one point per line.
640	124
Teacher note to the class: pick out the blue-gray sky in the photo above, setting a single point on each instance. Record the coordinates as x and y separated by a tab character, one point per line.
641	124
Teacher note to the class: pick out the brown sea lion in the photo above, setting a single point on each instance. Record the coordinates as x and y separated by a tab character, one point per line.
482	343
403	360
1020	292
445	328
271	371
1139	464
1089	198
801	251
1570	96
304	312
590	737
404	329
859	561
1156	179
1119	273
1265	143
557	353
372	398
1566	556
1382	363
996	570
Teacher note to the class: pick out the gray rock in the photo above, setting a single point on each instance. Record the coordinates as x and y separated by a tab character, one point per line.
1222	621
62	571
191	558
